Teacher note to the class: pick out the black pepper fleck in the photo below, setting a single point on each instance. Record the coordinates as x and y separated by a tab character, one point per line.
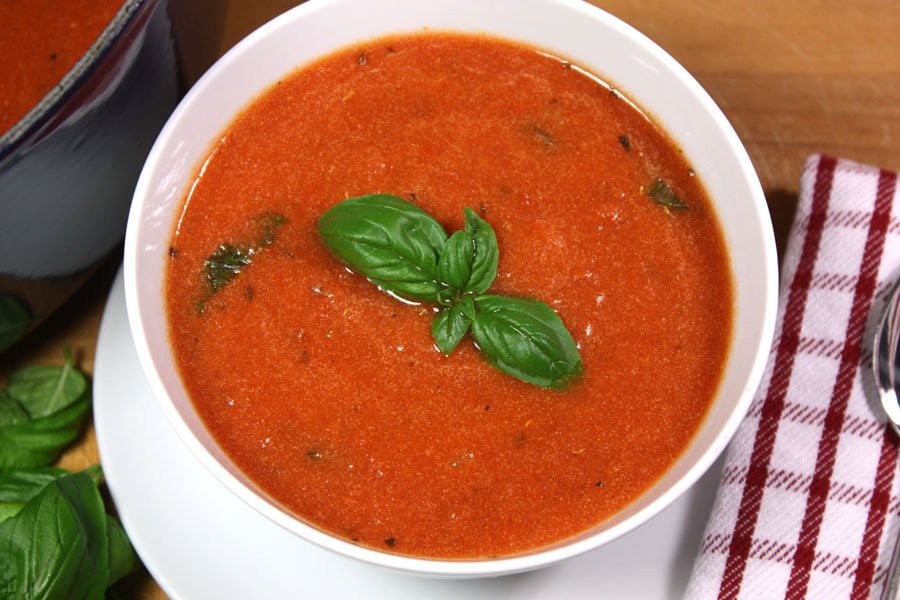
391	541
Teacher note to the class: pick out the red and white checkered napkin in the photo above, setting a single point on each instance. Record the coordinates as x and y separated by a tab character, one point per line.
808	502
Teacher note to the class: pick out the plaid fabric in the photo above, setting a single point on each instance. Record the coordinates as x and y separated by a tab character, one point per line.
808	502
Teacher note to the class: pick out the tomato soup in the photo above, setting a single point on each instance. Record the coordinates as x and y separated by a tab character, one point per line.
41	41
331	394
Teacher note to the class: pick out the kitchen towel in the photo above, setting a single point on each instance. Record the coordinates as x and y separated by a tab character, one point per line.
807	505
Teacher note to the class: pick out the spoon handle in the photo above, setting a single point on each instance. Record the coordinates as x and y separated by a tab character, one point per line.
892	584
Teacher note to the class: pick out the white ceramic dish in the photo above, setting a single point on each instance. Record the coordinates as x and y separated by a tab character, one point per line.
567	28
201	542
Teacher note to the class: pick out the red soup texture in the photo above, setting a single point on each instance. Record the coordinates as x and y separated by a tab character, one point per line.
40	40
331	395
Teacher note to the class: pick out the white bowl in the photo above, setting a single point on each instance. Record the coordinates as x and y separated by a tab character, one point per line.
570	29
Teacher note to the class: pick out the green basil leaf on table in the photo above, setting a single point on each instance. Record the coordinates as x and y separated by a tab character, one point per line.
38	442
526	339
11	412
18	487
392	242
14	321
55	400
57	545
44	390
451	324
122	558
468	261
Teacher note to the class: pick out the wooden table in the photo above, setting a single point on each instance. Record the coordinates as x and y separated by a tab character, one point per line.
794	77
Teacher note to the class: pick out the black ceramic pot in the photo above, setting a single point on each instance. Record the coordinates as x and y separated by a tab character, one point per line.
68	168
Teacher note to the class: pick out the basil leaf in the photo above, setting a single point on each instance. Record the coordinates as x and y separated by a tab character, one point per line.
14	321
11	412
407	253
389	240
224	265
57	545
526	339
43	390
18	487
55	402
231	258
468	260
122	559
455	264
486	253
662	193
38	442
451	324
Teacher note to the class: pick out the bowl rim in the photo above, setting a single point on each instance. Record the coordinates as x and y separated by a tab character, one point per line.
444	567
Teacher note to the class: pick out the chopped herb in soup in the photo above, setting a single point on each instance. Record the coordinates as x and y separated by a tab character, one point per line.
343	403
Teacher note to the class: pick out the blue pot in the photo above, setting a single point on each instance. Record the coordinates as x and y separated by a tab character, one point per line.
68	168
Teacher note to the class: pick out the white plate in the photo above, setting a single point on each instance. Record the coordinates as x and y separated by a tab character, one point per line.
200	541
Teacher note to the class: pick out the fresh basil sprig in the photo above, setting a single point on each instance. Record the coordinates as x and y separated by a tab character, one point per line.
14	321
18	487
42	410
56	539
407	253
61	543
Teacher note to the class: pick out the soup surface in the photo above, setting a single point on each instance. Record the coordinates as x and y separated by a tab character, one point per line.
40	41
331	395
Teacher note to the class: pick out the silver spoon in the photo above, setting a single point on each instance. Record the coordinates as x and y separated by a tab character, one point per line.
885	368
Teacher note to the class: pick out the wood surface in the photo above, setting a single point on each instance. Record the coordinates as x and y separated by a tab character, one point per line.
794	77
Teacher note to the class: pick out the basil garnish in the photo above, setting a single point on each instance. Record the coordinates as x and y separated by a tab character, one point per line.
469	258
231	258
527	339
662	193
451	324
389	240
56	539
41	411
18	487
407	253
